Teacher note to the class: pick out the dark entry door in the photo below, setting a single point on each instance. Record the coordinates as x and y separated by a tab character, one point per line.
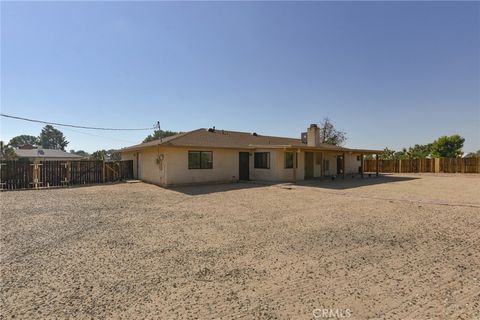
244	166
308	165
339	165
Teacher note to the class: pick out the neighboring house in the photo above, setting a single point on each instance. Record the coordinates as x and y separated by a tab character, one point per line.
209	155
46	154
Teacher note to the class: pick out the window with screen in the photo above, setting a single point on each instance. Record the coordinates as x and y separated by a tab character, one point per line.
200	160
289	156
261	160
326	165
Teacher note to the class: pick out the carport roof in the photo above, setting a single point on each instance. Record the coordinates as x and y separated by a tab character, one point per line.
208	138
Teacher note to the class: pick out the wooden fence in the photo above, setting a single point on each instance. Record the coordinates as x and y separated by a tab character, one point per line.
460	165
446	165
18	174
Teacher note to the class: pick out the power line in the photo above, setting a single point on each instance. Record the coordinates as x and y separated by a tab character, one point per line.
100	136
80	127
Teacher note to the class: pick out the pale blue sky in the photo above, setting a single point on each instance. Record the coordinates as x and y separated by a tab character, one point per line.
389	73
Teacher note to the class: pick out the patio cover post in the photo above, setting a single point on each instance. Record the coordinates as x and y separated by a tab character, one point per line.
322	167
376	162
343	165
361	165
295	166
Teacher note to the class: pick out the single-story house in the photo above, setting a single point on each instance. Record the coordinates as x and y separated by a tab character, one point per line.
40	154
210	155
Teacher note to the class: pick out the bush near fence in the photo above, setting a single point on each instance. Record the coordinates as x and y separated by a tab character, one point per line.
20	174
445	165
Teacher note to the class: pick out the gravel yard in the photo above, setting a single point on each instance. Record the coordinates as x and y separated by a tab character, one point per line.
395	247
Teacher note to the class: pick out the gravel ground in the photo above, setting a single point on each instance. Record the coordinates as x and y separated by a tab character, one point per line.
398	247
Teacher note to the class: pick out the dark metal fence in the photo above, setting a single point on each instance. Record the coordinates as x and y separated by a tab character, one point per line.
19	174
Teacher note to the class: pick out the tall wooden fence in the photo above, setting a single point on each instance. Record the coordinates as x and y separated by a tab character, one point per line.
446	165
460	165
18	174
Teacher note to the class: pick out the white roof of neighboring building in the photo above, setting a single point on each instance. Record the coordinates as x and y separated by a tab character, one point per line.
45	153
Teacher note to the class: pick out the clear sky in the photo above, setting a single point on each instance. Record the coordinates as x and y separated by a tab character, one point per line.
391	74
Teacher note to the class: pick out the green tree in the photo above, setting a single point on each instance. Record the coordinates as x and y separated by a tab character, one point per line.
419	151
80	153
22	140
113	154
331	135
110	154
7	152
400	155
388	155
158	134
99	155
51	138
448	146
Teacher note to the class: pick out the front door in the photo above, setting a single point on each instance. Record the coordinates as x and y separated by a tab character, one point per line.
339	165
137	165
319	162
244	166
308	165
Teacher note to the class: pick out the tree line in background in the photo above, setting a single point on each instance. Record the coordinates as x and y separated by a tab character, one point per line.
443	147
50	138
159	134
110	154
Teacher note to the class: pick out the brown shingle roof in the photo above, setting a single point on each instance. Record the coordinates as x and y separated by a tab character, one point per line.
225	139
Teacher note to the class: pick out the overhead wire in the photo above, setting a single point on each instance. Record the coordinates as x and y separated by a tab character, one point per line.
100	136
77	126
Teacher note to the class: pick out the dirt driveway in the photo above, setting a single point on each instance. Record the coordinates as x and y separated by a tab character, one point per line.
388	248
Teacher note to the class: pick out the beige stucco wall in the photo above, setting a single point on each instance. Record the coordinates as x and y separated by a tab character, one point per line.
277	171
351	163
150	166
225	166
332	158
288	174
169	166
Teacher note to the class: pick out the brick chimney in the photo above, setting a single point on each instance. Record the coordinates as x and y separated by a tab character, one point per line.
313	135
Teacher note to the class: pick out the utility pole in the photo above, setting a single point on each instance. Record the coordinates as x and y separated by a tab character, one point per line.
157	126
